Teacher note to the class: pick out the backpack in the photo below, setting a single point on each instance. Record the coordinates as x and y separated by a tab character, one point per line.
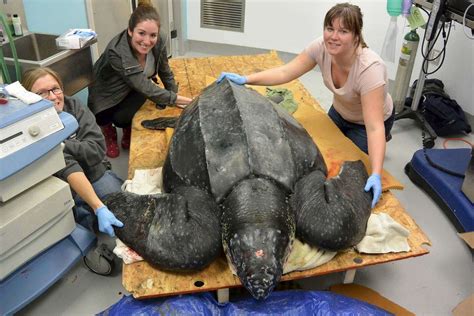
443	114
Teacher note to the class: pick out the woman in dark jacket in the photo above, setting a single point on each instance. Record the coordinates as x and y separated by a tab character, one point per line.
125	77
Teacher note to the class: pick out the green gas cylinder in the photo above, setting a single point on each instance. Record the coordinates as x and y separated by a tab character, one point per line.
405	68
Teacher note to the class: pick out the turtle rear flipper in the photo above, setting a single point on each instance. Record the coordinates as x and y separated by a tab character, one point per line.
172	231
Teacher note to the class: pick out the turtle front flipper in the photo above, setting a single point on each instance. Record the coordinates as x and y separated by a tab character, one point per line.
174	231
332	214
257	232
160	123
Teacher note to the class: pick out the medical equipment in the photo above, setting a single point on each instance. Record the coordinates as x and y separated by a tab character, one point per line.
439	172
404	70
406	7
40	240
394	9
51	214
442	11
27	134
432	25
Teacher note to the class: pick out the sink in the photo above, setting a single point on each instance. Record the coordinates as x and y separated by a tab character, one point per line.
34	47
74	66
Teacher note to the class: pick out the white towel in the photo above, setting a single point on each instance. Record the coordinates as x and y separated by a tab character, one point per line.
304	257
145	181
128	255
384	235
17	90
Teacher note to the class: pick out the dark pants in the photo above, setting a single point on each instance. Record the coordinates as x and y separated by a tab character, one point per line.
122	114
357	132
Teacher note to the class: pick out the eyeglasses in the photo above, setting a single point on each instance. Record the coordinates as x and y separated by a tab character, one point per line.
45	93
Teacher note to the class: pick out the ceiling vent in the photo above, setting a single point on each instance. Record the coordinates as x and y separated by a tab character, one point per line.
223	14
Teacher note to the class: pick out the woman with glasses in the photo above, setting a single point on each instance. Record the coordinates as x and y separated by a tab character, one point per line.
125	76
362	107
87	171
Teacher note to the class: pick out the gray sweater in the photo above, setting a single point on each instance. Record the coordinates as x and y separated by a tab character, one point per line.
117	72
84	150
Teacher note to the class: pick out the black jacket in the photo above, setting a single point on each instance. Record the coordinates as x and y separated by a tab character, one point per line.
117	72
84	151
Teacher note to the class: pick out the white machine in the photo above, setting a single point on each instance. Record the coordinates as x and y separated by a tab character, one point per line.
36	218
27	153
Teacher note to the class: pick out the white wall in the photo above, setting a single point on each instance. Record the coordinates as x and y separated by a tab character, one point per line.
289	25
457	71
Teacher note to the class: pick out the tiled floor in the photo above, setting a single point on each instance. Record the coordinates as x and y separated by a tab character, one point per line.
429	285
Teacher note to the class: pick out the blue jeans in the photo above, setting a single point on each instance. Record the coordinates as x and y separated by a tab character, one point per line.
105	185
357	132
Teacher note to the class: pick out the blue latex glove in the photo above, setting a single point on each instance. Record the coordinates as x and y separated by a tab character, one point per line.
106	220
375	184
238	79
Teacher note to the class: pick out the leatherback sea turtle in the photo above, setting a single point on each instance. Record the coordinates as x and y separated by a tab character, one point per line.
243	174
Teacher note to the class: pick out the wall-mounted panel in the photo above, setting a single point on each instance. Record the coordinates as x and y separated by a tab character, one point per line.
223	14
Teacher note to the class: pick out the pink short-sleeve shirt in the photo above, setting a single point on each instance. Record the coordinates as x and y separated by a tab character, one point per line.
367	73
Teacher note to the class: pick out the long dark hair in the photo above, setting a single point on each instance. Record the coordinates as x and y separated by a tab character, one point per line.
351	18
142	13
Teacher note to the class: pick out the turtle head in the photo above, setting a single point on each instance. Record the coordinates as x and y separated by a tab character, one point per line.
257	230
258	255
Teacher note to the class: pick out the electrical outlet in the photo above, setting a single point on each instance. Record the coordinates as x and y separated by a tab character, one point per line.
435	52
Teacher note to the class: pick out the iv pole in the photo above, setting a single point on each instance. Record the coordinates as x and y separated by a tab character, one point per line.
432	26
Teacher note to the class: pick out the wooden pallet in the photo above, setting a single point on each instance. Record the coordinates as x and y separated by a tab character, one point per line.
148	150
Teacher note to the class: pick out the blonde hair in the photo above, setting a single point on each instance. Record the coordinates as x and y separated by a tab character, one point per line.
33	74
351	18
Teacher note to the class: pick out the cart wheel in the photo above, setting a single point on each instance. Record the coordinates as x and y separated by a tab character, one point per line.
100	260
428	143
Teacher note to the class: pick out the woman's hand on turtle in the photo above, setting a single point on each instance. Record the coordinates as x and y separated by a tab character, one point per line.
238	79
106	219
375	184
182	102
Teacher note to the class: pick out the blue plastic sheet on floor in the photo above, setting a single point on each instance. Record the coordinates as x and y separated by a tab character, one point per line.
292	302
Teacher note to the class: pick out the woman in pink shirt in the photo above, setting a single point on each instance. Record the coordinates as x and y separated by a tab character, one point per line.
357	76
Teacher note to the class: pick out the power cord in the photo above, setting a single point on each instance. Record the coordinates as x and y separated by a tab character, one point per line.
456	139
464	22
426	59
